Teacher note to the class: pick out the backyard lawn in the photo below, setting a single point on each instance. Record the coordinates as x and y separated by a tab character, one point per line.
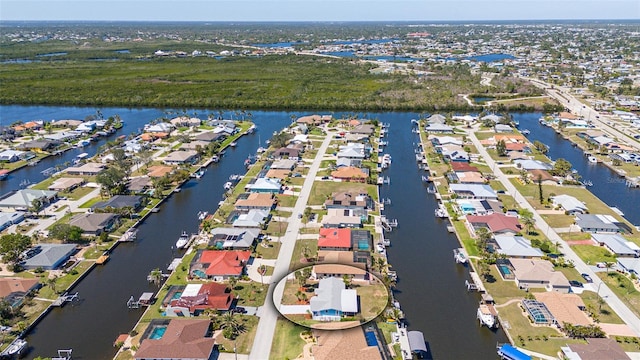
322	189
287	343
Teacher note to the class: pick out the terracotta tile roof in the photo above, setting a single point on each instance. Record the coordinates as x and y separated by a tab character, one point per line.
564	307
278	173
224	262
257	200
183	339
459	166
543	173
12	285
343	344
517	146
349	172
211	295
159	170
338	269
332	237
496	222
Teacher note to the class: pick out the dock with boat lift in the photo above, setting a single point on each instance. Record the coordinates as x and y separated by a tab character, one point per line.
475	284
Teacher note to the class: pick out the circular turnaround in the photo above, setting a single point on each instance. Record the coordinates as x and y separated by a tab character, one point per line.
330	296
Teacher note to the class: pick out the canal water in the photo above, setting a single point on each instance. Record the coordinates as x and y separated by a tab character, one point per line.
431	288
607	184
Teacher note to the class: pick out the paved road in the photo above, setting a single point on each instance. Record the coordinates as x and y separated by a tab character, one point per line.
565	98
603	290
268	314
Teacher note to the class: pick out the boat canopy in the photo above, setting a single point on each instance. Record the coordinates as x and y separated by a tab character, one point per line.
416	341
509	352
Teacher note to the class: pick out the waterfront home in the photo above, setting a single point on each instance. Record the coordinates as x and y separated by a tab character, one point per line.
532	165
357	201
532	273
159	128
13	290
210	136
287	153
597	223
278	174
120	202
507	138
497	223
158	171
180	339
570	204
565	308
467	177
516	247
517	147
194	145
629	265
493	118
595	349
139	185
254	218
94	224
299	139
351	174
502	128
65	123
334	239
543	176
233	238
436	119
88	169
365	129
333	300
10	218
359	138
10	156
445	140
264	185
21	200
314	120
48	256
66	184
453	153
574	124
38	145
473	191
478	207
439	128
360	259
185	121
463	167
196	298
344	344
283	164
219	265
322	271
341	218
182	157
259	201
617	244
351	154
465	118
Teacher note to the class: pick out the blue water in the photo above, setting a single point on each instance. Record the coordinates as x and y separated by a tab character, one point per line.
158	332
371	338
491	57
200	274
177	295
342	53
52	54
125	51
368	41
280	44
504	269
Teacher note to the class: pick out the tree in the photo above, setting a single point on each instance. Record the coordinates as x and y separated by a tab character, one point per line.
112	180
347	280
483	236
540	195
280	139
230	325
541	147
262	270
501	148
12	245
51	282
155	276
527	219
66	233
608	265
561	167
233	282
36	206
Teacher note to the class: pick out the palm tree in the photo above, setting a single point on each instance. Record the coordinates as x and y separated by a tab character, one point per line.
155	276
230	324
262	270
233	281
608	265
51	282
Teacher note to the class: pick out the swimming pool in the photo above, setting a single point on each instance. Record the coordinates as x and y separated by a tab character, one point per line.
176	295
200	274
158	332
504	269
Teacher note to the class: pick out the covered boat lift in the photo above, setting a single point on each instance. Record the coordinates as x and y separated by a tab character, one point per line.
417	344
508	352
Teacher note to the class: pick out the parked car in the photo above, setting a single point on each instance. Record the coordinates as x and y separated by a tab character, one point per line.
240	310
587	278
575	283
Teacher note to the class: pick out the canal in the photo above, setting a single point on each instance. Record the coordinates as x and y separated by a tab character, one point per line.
431	288
607	184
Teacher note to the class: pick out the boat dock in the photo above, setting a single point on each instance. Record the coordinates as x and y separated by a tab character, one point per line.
460	256
475	284
65	298
129	236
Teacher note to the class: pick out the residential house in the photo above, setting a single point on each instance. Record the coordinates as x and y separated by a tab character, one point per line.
479	207
88	169
445	140
351	155
473	191
359	259
597	223
498	224
334	239
468	177
158	171
183	339
159	128
197	298
278	174
10	156
493	118
66	184
503	128
453	153
543	176
21	200
264	185
314	120
210	136
13	290
194	145
48	256
120	202
356	201
254	218
617	244
333	301
532	273
629	265
94	224
283	164
259	201
516	247
10	218
185	121
356	274
182	157
351	174
219	265
139	185
233	238
365	129
532	165
570	204
565	308
287	152
340	218
38	145
463	167
344	344
595	349
436	119
439	128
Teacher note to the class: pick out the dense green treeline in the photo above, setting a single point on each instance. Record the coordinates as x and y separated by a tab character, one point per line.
269	82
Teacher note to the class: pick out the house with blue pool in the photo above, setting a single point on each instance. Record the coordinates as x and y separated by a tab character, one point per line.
333	300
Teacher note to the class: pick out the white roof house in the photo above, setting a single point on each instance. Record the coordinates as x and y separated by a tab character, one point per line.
532	165
476	191
597	223
263	185
439	128
516	246
445	140
570	204
617	244
333	300
254	218
630	265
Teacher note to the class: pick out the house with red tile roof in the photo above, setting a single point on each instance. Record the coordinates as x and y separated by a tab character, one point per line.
496	223
182	339
350	173
219	265
334	239
458	166
196	298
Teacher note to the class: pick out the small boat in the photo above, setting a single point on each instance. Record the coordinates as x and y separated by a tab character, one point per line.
261	150
202	215
215	158
200	173
525	132
155	210
587	183
233	144
183	240
251	129
234	177
17	347
228	185
593	159
487	314
459	256
177	190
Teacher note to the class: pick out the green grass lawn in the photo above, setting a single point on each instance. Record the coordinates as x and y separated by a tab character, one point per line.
91	202
78	193
244	341
296	258
277	228
501	290
322	189
286	200
269	252
623	287
464	236
287	343
592	254
250	293
559	220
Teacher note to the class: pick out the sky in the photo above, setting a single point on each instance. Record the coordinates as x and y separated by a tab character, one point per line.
317	10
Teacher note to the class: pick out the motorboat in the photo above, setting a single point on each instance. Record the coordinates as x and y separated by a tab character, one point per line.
459	256
228	185
202	215
183	240
525	132
233	144
592	159
16	348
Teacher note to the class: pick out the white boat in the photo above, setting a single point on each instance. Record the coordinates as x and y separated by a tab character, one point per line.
215	158
233	144
459	256
593	159
200	173
251	129
183	240
177	190
202	215
228	185
525	132
487	316
17	347
234	177
261	150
